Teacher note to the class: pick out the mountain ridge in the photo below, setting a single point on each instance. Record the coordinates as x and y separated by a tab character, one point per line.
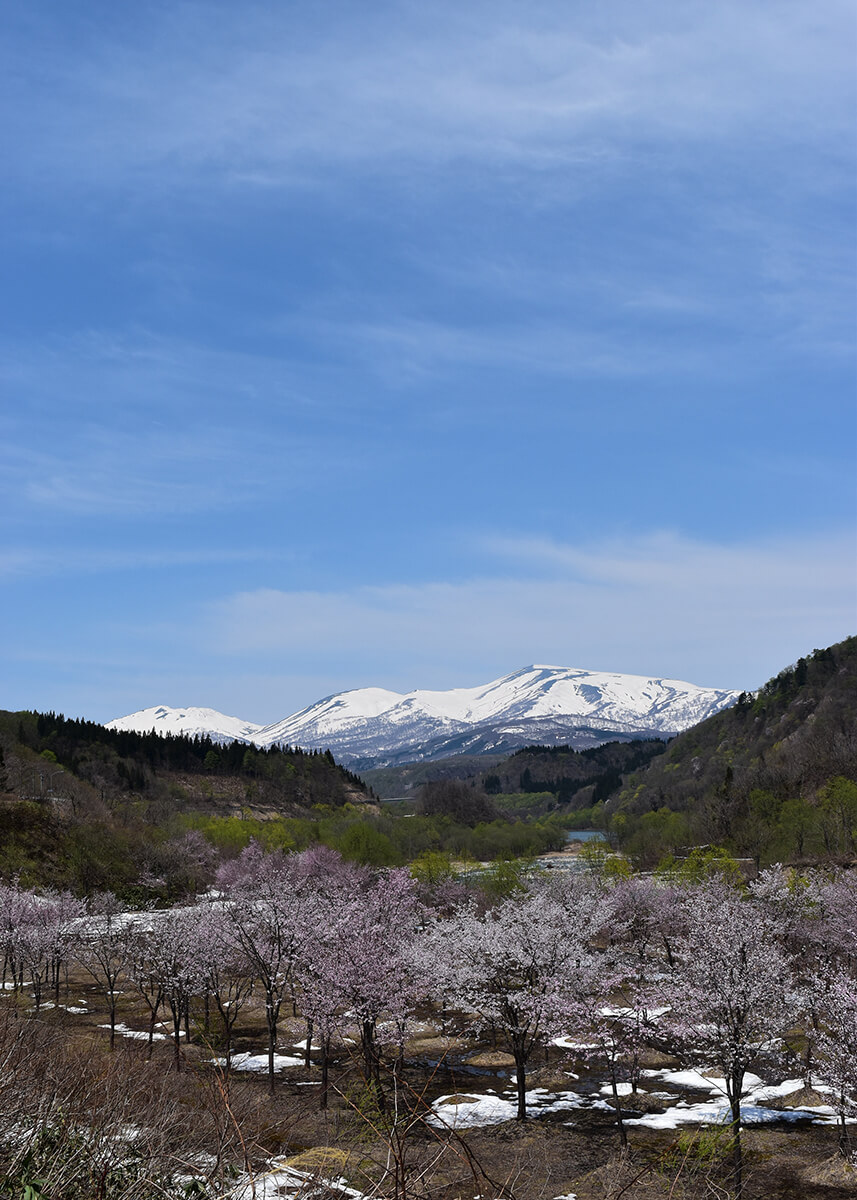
375	726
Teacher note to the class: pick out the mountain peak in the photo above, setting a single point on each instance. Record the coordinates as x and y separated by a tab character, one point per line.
539	703
191	721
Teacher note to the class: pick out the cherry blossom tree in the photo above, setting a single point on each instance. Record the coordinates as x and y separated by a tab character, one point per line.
32	945
249	865
732	993
270	914
837	1045
15	906
38	932
64	925
145	973
334	882
641	918
814	911
322	973
328	870
227	975
522	967
378	976
838	901
173	959
643	914
105	948
616	1032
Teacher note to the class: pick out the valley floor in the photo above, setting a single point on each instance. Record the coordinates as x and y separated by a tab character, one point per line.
446	1129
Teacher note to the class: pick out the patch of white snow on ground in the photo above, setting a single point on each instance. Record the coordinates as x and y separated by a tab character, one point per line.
774	1091
622	1089
281	1182
712	1113
141	1034
569	1043
717	1112
466	1111
699	1080
259	1062
463	1111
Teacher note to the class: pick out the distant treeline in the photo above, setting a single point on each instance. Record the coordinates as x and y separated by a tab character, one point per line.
73	739
565	772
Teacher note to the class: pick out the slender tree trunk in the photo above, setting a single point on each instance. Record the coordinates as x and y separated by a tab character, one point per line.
271	1014
371	1062
620	1124
738	1158
808	1050
325	1064
230	1025
734	1086
521	1081
844	1139
176	1010
153	1016
227	1036
308	1050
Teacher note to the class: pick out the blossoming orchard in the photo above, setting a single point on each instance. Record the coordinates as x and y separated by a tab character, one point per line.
399	1019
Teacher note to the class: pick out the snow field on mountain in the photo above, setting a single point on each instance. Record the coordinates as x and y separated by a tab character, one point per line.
191	722
376	721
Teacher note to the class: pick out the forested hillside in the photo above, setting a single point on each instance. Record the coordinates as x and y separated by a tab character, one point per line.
150	817
113	763
576	777
774	777
87	807
569	776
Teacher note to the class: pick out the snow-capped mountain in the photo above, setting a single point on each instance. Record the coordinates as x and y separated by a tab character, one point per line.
190	722
539	704
548	705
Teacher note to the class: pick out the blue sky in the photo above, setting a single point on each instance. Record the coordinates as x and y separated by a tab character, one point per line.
408	344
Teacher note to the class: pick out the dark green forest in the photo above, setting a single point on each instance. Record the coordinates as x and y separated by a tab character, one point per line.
87	807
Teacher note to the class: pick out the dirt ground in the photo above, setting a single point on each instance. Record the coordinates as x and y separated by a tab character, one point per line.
556	1155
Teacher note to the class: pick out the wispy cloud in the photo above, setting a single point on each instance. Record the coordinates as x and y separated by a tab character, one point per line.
406	349
268	96
722	615
671	562
120	473
143	424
